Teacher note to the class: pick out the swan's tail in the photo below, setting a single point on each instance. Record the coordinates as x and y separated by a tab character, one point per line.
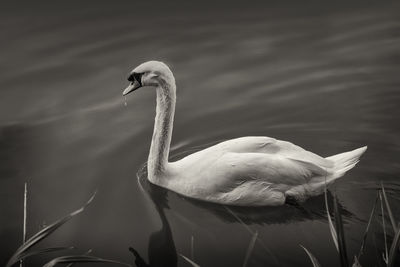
342	163
345	161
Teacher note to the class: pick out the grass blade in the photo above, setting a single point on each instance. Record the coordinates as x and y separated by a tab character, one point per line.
367	229
25	201
340	234
86	253
313	259
386	254
239	220
192	247
377	252
41	251
393	248
331	227
81	259
44	233
24	222
250	248
263	245
389	210
190	261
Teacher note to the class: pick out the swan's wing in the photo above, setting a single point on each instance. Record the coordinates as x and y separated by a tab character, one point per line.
266	168
267	145
244	178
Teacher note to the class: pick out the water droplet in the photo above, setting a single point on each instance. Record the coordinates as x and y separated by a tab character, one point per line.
125	103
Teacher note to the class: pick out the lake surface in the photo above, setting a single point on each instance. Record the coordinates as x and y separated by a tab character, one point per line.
324	77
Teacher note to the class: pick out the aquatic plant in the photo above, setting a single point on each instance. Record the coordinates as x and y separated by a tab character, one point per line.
364	240
81	259
24	251
338	237
344	262
190	261
21	252
250	248
336	228
313	259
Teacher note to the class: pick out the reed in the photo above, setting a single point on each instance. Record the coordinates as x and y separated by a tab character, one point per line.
21	264
338	237
336	228
250	248
81	259
386	254
72	263
390	256
389	210
22	251
344	262
192	247
364	240
260	241
189	261
331	226
313	259
393	248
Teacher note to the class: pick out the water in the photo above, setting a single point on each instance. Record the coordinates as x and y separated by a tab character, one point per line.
323	77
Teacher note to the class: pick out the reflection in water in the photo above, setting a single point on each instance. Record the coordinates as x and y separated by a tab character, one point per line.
161	249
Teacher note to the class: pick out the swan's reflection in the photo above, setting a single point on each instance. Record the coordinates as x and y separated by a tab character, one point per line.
161	249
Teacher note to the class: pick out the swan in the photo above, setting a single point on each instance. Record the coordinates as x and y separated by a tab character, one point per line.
246	171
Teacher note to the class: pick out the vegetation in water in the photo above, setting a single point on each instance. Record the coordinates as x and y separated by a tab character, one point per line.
336	228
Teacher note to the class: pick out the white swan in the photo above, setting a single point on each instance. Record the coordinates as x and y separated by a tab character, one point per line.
247	171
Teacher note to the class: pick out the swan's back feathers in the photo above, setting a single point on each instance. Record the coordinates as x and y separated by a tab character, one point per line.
333	167
267	145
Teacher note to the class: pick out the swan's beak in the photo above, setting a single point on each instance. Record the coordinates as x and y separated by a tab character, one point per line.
132	87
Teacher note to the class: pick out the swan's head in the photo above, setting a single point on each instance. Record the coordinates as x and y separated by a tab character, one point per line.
150	73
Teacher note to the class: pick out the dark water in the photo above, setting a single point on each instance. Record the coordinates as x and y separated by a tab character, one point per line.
324	77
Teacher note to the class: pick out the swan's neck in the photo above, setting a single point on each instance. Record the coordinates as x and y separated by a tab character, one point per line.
160	143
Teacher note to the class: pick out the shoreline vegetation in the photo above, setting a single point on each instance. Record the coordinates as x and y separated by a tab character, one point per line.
335	223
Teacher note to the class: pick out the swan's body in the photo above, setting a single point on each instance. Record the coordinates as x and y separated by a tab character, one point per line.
247	171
